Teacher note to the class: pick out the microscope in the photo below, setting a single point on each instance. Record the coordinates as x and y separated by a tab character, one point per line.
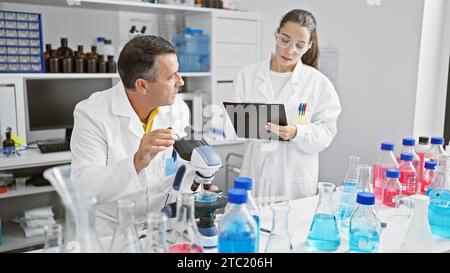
204	162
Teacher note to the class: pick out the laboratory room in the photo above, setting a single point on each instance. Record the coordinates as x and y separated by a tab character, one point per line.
224	126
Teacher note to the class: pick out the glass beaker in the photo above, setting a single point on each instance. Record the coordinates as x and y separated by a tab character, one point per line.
126	239
185	237
323	233
156	239
53	239
279	239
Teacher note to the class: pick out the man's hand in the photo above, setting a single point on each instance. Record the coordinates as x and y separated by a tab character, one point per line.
285	132
151	144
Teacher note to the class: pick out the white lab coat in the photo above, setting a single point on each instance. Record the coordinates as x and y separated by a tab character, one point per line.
289	169
105	137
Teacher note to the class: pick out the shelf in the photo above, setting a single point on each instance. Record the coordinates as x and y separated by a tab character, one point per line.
30	189
34	158
133	6
14	237
57	76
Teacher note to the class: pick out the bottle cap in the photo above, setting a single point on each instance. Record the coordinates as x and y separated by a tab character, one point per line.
408	141
245	183
100	39
406	156
430	165
437	140
392	173
365	198
387	146
237	196
424	140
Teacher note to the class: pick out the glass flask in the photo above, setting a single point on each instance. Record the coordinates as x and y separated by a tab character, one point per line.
364	185
237	228
246	183
156	238
185	238
279	239
126	239
350	181
439	193
365	227
53	239
323	233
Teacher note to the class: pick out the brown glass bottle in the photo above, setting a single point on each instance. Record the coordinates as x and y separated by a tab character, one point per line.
64	49
8	142
112	67
48	49
53	62
67	63
92	61
102	65
80	60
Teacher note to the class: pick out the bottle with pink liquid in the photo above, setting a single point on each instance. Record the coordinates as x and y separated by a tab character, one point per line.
392	187
408	147
428	176
421	148
385	161
408	174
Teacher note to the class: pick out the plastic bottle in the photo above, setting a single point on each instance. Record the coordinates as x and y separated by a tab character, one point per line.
385	161
246	183
100	45
126	238
428	176
392	187
365	227
408	174
419	238
436	149
324	233
237	228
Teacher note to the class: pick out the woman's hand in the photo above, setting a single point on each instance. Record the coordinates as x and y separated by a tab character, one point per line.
285	132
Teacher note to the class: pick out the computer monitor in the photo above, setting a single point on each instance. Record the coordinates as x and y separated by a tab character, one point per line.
50	104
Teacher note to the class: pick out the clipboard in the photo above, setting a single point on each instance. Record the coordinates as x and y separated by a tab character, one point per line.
249	119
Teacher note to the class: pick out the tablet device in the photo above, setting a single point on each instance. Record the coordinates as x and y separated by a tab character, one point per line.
249	119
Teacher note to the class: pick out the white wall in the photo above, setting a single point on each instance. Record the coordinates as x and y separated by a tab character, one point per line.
379	56
433	69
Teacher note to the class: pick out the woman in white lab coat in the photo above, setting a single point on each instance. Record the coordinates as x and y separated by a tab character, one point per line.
289	169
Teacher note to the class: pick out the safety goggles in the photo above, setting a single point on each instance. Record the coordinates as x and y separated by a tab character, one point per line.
284	41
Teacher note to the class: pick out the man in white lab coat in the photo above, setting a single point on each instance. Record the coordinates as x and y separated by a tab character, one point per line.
121	141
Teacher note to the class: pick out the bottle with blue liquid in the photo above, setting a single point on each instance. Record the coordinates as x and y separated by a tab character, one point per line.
365	227
237	228
324	233
246	183
439	193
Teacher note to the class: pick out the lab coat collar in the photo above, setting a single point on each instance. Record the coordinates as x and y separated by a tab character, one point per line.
264	76
121	106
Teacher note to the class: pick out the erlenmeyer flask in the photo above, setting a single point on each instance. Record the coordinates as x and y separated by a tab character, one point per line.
439	193
364	185
126	238
80	235
53	239
185	237
156	239
323	233
279	239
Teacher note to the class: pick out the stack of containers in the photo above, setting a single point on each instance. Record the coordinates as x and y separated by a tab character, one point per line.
20	42
193	50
